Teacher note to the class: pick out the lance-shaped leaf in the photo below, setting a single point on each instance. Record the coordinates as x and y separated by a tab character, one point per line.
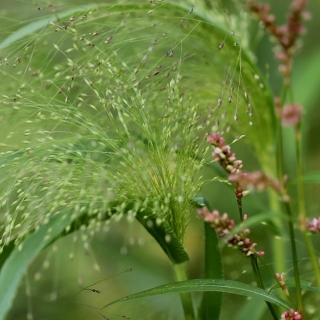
219	285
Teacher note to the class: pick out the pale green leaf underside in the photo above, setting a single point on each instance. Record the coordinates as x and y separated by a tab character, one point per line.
227	286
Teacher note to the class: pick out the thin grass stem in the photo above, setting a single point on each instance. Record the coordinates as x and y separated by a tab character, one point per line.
294	258
186	299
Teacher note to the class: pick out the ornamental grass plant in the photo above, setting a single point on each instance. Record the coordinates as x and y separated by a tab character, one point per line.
142	141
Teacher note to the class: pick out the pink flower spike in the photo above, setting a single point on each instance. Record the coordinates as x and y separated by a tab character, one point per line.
291	114
314	225
215	139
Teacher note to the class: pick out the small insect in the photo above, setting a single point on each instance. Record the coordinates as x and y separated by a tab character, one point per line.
94	290
191	10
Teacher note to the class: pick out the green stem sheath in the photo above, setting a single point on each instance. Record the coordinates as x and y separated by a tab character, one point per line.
294	258
186	299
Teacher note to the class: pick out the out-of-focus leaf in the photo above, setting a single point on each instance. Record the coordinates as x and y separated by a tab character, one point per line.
313	177
306	80
17	264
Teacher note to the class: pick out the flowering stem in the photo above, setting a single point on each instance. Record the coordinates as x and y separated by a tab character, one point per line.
255	266
181	275
302	205
294	257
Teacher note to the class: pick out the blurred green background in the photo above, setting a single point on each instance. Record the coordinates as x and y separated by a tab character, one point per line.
64	269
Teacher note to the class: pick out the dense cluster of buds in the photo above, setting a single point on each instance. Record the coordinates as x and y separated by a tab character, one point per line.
223	225
290	114
314	225
227	159
291	315
222	154
287	34
259	181
242	180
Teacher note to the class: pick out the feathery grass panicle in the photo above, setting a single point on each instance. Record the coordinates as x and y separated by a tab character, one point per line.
109	107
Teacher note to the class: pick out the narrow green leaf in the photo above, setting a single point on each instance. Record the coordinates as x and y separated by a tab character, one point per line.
211	301
17	264
228	286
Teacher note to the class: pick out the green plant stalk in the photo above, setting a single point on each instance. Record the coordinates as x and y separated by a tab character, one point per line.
186	299
255	267
275	278
302	205
294	258
279	250
279	137
258	278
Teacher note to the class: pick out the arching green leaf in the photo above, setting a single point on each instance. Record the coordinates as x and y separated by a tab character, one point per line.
218	285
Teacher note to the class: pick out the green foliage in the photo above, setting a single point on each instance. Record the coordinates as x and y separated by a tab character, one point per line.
104	113
228	286
211	301
18	262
